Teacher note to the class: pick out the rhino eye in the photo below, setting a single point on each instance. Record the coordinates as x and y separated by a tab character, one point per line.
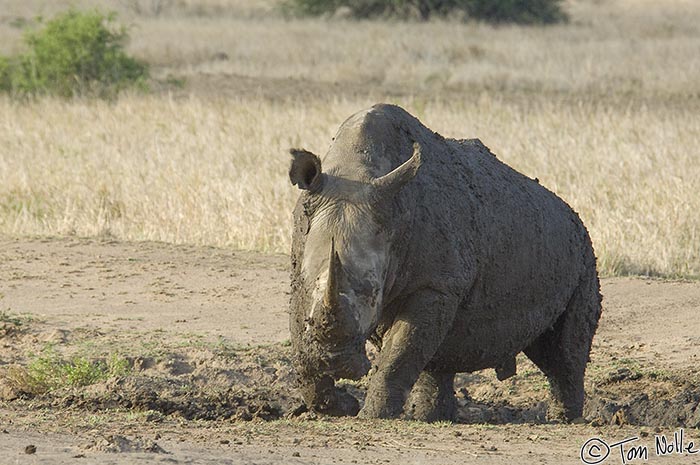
304	223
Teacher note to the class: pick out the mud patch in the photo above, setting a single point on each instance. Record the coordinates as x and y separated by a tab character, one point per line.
194	379
115	443
643	401
174	397
258	384
616	396
646	400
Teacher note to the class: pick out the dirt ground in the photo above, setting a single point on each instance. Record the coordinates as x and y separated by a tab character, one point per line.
204	335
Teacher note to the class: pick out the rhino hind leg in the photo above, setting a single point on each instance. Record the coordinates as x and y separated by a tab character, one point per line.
563	351
432	398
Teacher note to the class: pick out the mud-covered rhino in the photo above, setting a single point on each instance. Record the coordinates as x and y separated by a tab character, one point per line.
443	257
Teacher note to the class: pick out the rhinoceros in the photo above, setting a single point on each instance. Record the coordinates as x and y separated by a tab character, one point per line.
445	259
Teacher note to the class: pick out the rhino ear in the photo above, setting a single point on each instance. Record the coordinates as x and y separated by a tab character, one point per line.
305	171
391	183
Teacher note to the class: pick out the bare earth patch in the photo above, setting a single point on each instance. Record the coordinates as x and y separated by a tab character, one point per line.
203	335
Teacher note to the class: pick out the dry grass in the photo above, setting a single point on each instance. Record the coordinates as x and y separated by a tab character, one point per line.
204	172
149	168
603	111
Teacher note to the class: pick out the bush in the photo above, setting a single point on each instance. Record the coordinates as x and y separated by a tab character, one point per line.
75	54
49	371
517	11
494	11
5	83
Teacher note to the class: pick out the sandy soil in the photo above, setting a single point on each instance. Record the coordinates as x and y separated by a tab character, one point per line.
204	333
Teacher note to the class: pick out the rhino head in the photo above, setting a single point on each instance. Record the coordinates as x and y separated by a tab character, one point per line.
340	262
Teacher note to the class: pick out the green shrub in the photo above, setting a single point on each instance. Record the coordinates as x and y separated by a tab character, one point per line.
49	371
5	74
517	11
494	11
74	54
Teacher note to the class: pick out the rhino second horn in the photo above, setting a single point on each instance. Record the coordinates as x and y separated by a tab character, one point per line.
330	297
392	182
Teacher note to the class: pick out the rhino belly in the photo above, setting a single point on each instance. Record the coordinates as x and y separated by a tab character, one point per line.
486	339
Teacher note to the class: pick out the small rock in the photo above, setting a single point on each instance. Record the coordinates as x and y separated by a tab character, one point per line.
224	441
298	411
622	374
310	416
155	417
155	448
296	454
30	449
7	390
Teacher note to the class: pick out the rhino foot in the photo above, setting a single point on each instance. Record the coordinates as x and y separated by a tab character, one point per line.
342	404
323	396
432	398
338	402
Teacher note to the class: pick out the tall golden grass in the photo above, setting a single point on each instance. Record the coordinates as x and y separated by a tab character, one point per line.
604	111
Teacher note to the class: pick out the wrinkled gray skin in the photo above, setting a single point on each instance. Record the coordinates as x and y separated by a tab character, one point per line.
443	257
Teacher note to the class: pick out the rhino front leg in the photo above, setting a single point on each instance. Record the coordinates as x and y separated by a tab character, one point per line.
411	342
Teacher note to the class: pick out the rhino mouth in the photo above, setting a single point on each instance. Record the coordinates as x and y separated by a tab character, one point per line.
347	364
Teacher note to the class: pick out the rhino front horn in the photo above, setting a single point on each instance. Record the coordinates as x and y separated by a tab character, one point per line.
330	297
392	182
